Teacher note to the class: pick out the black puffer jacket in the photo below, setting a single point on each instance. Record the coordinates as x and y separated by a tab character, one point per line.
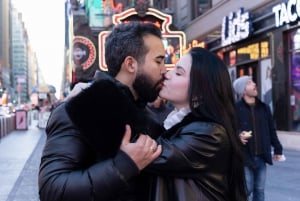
81	160
194	163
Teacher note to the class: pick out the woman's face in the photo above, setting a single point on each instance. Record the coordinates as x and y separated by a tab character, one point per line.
176	85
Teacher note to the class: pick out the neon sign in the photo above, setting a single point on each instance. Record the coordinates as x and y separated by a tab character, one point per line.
84	52
286	12
174	41
236	27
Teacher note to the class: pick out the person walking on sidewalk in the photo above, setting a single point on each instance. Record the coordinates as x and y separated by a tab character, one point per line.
86	155
257	134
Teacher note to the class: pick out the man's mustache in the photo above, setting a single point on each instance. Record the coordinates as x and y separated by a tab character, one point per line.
159	82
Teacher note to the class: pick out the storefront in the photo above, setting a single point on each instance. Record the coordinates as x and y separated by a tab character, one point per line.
265	44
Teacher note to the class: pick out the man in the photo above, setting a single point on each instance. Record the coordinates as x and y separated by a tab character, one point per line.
257	135
87	156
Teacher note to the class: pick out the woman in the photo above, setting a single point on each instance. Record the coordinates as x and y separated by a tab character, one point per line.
201	158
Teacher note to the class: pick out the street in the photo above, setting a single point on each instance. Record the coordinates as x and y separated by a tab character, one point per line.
283	178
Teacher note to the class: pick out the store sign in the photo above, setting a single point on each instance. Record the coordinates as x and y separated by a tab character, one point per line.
286	13
235	27
174	41
84	52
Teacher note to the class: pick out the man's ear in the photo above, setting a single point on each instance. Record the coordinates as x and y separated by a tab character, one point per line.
130	64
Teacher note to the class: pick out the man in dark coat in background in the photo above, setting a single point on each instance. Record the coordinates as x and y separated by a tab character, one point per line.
257	134
87	156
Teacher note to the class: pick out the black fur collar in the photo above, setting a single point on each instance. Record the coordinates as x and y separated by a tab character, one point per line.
101	111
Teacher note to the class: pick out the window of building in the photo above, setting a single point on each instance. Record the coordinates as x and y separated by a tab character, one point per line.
253	51
264	49
294	62
249	52
162	4
200	6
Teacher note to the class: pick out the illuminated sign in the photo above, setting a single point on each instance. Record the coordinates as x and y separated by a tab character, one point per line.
84	52
194	43
96	14
100	12
235	27
174	41
286	12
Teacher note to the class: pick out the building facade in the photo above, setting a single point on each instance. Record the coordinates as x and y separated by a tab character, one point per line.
19	59
5	45
18	62
258	38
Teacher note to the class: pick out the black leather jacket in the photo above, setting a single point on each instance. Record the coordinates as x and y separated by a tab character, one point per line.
81	160
194	163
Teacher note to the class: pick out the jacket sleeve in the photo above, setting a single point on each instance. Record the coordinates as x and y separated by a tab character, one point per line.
191	150
69	170
273	134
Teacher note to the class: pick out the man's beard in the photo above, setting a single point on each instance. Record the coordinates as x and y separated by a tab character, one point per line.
146	88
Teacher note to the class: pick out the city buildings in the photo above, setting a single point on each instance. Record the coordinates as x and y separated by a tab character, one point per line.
4	45
18	62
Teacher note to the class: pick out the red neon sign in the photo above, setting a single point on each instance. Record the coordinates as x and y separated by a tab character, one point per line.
174	41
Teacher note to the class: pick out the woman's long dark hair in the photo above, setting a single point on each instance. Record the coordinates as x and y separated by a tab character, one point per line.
211	97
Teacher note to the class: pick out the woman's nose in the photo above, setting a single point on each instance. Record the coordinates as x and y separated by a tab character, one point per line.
168	74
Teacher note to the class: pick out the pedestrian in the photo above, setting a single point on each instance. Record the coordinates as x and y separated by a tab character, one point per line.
257	134
201	157
86	155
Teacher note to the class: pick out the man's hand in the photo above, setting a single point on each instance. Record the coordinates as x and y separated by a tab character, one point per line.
143	151
277	157
244	136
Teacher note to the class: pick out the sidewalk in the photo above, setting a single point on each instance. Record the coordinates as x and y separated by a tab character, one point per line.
289	140
15	150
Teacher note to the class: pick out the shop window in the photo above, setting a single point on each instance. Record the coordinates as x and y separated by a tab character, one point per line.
232	58
294	58
200	6
249	52
247	69
295	40
254	51
241	72
295	83
220	55
264	49
162	4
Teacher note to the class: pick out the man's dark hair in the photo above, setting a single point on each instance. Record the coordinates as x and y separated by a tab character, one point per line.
127	40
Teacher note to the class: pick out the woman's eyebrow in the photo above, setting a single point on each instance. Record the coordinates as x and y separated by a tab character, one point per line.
179	68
